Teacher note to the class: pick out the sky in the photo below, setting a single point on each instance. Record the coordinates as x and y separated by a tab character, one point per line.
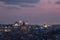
33	11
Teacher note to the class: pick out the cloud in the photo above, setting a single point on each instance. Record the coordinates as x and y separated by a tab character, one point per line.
22	3
57	2
19	1
10	6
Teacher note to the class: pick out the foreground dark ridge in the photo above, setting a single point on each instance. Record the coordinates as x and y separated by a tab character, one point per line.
24	31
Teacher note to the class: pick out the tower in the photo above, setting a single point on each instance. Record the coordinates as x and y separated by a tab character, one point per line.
20	22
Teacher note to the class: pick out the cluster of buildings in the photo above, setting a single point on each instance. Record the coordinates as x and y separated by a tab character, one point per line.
8	27
22	25
22	30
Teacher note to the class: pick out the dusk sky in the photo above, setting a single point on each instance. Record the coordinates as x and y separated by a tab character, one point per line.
34	11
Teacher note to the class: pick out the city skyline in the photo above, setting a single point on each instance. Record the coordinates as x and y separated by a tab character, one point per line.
34	11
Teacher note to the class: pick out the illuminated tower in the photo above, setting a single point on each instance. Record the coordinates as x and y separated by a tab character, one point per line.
20	22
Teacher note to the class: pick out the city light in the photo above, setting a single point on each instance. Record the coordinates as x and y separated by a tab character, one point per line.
26	23
5	26
7	30
24	28
16	24
45	25
27	31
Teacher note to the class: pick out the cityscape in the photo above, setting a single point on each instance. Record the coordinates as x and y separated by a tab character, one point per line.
22	30
29	19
